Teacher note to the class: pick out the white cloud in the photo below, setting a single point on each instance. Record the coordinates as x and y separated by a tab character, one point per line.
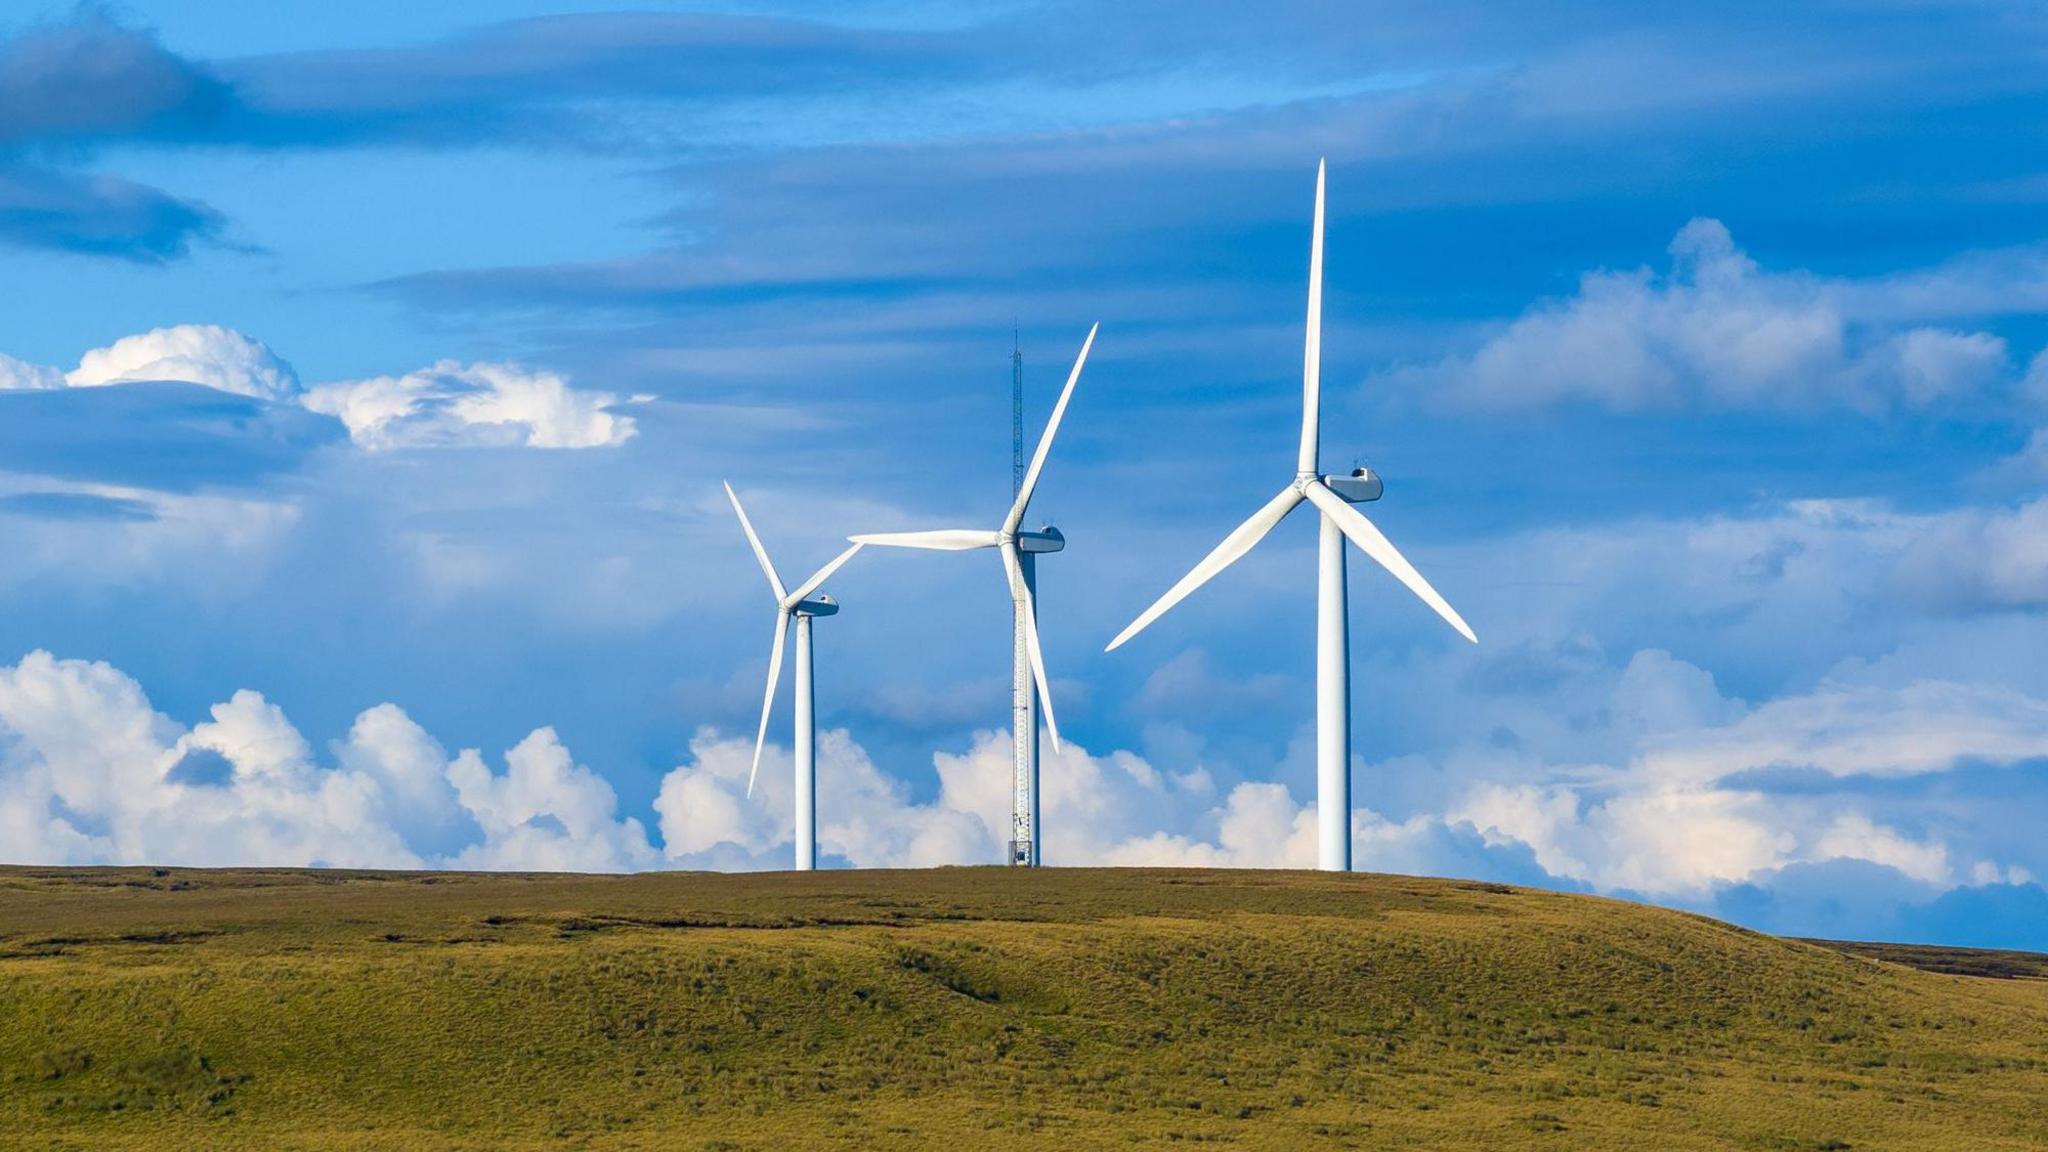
91	773
1983	557
1792	589
2031	462
1097	809
864	815
1259	826
1855	837
448	404
1694	810
1933	364
1675	820
2036	380
1657	692
218	545
547	812
20	374
1114	810
1862	730
198	353
451	404
1718	331
1663	841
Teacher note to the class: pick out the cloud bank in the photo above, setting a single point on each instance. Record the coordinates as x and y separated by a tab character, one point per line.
448	405
90	772
93	774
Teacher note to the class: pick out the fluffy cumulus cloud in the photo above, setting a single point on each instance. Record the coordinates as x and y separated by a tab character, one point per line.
475	404
1114	809
1718	331
447	405
1803	779
546	811
1730	808
866	817
90	772
208	354
1682	815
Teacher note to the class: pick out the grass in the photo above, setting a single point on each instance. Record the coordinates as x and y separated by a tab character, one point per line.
161	1009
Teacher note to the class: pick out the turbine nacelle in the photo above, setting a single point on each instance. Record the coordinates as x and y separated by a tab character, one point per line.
815	606
1046	539
1360	486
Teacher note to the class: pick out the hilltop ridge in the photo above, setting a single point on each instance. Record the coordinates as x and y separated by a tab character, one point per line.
176	1008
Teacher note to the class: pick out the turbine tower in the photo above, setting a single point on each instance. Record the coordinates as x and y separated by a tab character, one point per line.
802	607
1028	686
1333	497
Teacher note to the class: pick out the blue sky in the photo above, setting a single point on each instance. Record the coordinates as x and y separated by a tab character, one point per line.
369	381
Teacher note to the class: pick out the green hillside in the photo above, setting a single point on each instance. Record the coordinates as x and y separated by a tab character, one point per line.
181	1009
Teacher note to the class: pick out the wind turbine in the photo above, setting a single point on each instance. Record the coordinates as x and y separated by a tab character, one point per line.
1019	550
1333	497
802	607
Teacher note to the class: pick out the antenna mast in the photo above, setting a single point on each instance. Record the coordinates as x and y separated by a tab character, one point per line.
1016	415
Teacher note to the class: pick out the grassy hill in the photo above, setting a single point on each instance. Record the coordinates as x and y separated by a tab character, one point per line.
159	1009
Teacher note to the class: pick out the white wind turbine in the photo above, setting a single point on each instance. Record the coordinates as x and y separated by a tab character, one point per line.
1019	550
800	606
1333	497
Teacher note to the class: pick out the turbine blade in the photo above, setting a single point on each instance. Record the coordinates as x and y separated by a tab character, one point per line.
819	577
768	697
1019	592
940	540
1375	544
1312	348
1236	544
1052	426
760	553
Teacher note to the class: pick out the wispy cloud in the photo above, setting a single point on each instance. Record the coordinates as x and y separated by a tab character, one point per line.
100	215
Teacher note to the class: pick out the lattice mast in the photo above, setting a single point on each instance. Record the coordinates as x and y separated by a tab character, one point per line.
1016	415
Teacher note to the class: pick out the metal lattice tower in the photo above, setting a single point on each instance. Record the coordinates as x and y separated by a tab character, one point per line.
1016	415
